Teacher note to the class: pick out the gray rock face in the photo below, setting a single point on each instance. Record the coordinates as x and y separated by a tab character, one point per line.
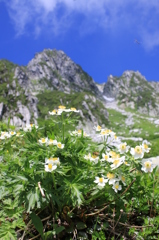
53	69
132	90
1	110
48	71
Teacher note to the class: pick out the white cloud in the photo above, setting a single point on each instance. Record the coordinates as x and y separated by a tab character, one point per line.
58	16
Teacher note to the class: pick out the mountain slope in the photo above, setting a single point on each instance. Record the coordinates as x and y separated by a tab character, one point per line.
132	90
26	90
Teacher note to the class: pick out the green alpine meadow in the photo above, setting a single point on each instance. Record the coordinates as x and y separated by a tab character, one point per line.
58	183
78	159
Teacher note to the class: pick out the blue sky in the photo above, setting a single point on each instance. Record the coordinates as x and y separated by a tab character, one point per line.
97	34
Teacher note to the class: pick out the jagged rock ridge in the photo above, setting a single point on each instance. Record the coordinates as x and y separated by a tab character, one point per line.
49	71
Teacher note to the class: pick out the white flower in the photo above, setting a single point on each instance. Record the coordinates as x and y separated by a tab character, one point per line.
60	145
49	167
53	160
116	187
101	181
29	127
62	109
147	166
79	133
55	112
111	178
74	133
52	142
117	162
145	147
87	157
137	152
116	139
74	110
126	163
97	128
92	158
146	142
18	134
114	155
105	157
123	148
5	135
12	133
122	178
106	132
43	140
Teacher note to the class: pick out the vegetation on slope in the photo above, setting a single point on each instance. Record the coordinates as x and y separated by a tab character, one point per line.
50	100
69	190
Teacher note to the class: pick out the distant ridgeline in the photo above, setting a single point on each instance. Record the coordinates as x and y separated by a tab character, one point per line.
51	78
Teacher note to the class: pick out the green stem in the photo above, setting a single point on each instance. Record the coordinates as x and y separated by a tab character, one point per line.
53	178
63	129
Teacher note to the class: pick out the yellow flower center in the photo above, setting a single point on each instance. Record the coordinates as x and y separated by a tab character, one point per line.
50	165
105	132
115	155
106	157
122	146
79	131
94	156
43	140
62	107
31	125
138	149
54	111
51	141
100	180
115	137
126	162
11	133
110	175
145	146
59	145
147	164
123	179
116	186
116	162
73	109
98	127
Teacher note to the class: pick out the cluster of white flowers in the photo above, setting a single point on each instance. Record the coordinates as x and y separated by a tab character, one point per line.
111	179
111	137
92	157
78	133
29	127
62	109
104	132
138	151
5	135
115	160
47	141
51	163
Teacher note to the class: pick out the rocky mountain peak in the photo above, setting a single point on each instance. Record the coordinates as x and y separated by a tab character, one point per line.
132	90
49	71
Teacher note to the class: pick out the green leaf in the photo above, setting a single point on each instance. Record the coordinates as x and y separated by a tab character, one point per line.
8	236
37	223
22	178
81	225
59	229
